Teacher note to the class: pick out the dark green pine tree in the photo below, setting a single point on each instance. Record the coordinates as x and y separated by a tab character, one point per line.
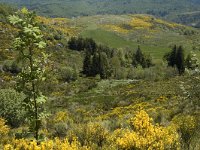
148	61
95	64
90	45
72	43
104	69
80	44
171	57
141	59
180	61
137	57
87	64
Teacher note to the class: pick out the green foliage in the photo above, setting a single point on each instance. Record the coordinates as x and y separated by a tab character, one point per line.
172	10
96	59
11	107
11	67
187	126
91	134
180	60
188	61
104	68
79	43
28	43
140	59
176	58
95	105
87	64
68	74
192	63
171	57
5	10
96	64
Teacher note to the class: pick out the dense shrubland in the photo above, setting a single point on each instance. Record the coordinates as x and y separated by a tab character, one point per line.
98	97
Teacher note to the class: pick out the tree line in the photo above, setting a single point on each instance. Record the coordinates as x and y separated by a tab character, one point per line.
101	60
176	58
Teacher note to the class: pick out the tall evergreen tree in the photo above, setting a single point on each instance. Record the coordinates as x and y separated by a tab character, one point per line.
140	59
180	62
80	44
72	43
104	66
90	45
175	58
148	62
95	64
171	57
87	64
115	65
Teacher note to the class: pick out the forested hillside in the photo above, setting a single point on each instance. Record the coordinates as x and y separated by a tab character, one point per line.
99	82
72	8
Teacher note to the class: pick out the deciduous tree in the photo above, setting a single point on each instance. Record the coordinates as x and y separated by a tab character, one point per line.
29	44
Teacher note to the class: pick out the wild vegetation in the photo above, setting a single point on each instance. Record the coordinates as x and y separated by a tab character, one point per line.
171	10
121	90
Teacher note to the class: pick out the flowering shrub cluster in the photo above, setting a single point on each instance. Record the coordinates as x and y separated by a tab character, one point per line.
145	135
4	130
59	24
55	144
170	25
140	23
116	28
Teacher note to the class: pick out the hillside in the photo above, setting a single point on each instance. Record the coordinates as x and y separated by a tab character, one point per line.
70	8
156	36
102	81
189	18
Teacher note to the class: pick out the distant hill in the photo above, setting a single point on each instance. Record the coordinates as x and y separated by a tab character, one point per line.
189	18
155	35
73	8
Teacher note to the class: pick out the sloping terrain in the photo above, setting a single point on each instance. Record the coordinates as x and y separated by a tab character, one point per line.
95	112
154	35
70	8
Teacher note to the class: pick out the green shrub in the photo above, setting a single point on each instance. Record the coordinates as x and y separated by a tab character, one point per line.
92	133
11	107
11	66
68	74
154	73
60	129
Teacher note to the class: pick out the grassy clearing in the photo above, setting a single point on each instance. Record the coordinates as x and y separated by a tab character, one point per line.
113	40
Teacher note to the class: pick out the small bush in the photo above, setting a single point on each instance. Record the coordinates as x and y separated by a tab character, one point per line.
153	73
91	134
11	107
68	74
4	130
12	67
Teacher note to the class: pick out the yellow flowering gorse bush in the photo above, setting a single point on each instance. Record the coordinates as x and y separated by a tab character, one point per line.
140	23
4	130
55	144
116	28
145	135
59	24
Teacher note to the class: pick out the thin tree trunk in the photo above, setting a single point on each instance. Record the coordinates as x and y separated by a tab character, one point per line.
34	94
